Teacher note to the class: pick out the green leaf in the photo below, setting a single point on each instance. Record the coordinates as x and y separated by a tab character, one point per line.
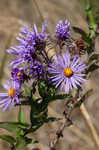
93	57
51	91
97	34
8	139
33	128
97	19
21	117
20	143
13	126
27	90
82	33
90	47
29	140
23	141
58	97
25	102
92	68
41	89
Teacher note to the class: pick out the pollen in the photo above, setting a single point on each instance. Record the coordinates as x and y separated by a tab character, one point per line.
68	72
20	74
11	92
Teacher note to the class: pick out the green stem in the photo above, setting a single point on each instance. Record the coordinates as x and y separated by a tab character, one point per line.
92	23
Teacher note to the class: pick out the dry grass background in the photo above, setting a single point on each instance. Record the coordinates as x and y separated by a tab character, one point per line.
15	13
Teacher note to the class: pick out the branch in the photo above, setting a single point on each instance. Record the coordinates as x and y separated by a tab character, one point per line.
90	125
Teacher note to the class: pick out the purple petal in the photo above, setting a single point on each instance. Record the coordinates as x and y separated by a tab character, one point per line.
10	84
66	58
4	100
62	85
60	61
6	87
3	104
16	62
35	29
78	83
81	75
6	106
58	83
81	68
17	100
10	51
73	60
44	27
75	63
80	79
73	83
3	94
57	78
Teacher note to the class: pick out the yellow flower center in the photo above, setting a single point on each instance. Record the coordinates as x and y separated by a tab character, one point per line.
11	92
19	75
68	72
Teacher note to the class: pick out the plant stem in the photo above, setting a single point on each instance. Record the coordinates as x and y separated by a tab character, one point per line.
90	125
74	129
92	23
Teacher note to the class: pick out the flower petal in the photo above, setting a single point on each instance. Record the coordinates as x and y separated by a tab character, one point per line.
6	87
3	94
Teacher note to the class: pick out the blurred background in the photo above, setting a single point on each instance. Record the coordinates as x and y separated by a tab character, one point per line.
13	15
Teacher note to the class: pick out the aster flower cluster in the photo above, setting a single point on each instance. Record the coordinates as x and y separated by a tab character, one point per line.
62	30
48	67
34	63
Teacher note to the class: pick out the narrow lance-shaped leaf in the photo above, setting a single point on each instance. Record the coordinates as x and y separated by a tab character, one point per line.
23	141
13	126
58	97
27	90
93	57
8	138
92	68
82	33
41	89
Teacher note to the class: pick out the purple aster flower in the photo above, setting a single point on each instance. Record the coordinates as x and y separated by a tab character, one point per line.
37	70
30	42
67	74
9	98
18	76
62	30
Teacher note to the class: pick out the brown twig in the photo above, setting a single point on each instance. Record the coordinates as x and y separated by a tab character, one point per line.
70	105
74	129
39	12
58	135
38	9
90	125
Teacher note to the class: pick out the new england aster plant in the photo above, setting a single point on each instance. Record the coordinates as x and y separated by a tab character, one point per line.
35	70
